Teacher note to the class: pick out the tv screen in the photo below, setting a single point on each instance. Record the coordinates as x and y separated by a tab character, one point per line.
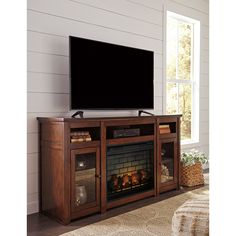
109	76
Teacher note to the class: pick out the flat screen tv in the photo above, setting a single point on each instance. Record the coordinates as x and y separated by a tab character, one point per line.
109	77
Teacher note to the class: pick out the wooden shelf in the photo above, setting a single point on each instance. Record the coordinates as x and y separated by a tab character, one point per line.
170	135
85	144
130	140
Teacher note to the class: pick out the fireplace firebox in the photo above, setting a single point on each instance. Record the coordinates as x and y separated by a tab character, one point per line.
129	169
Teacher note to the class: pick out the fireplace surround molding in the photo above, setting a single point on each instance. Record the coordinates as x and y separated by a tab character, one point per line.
91	165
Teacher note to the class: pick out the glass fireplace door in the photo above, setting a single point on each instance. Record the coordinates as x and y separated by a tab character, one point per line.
168	161
85	178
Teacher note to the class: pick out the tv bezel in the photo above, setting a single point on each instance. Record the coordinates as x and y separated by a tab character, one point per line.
110	108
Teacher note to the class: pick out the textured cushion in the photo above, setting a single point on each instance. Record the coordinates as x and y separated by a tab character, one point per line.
192	218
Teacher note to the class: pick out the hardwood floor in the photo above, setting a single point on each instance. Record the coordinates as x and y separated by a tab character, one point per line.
41	225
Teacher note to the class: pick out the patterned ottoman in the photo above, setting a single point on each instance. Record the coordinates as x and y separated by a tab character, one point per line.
192	218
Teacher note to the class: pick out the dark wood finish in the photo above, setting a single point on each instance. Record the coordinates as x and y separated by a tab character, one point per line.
130	140
56	161
91	207
85	144
129	199
103	169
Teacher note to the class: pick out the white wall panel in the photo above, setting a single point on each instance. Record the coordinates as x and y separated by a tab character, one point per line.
204	127
204	67
204	31
57	26
199	5
158	89
204	104
47	102
204	138
204	80
204	116
32	143
51	44
158	60
50	83
47	63
125	8
188	11
95	16
153	4
32	163
204	92
32	183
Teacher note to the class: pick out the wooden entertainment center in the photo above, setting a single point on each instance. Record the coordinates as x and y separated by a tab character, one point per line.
89	165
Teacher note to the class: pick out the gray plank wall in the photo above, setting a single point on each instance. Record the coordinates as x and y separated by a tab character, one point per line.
135	23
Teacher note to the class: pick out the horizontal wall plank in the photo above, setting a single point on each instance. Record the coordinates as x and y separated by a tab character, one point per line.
47	63
50	83
125	8
46	43
204	31
47	24
204	67
157	89
83	13
32	123
204	138
204	116
152	4
158	102
204	92
32	183
46	102
204	80
204	56
32	203
187	11
59	45
198	5
32	207
107	113
204	43
204	127
31	197
32	163
204	104
158	60
32	143
158	75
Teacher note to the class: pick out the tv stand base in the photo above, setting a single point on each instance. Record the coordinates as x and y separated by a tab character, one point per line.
80	113
145	112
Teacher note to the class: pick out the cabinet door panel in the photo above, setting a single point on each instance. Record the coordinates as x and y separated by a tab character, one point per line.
168	162
85	179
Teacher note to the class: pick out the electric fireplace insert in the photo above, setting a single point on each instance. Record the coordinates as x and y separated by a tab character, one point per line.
129	169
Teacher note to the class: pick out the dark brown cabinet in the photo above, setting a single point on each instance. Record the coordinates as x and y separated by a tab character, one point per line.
90	165
85	181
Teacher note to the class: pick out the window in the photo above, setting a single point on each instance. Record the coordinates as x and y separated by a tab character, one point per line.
182	73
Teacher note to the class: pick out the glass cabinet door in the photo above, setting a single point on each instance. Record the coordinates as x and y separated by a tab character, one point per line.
168	161
85	178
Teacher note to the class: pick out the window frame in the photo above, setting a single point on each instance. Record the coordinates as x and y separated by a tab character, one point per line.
195	74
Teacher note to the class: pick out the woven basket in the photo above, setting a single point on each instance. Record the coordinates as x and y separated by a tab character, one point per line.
191	175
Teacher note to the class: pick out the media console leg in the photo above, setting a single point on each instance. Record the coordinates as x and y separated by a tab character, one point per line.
80	113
